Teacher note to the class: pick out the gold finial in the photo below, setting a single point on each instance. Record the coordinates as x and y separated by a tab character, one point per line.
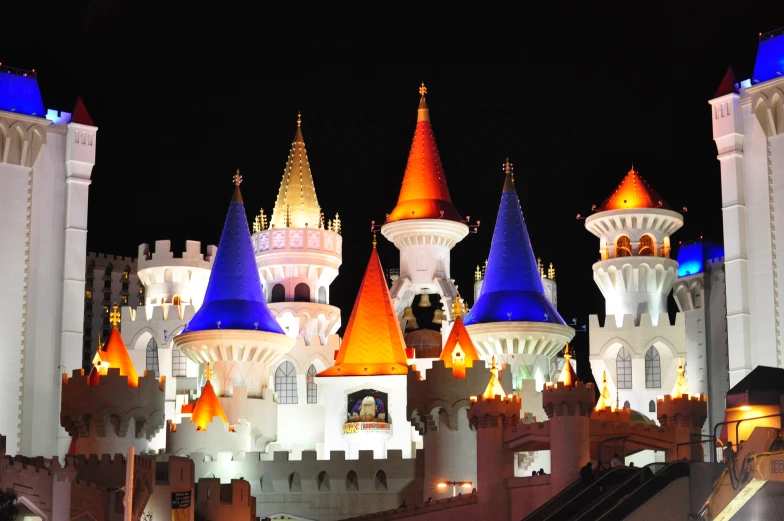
508	169
237	178
492	362
458	306
422	89
374	239
551	272
299	119
114	316
539	265
567	352
208	372
478	274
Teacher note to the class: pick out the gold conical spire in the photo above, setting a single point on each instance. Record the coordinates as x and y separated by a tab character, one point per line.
494	386
297	201
568	378
681	386
605	399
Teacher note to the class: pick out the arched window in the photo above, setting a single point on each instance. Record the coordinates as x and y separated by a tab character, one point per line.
301	292
381	480
152	358
179	362
176	300
352	481
623	246
295	483
652	406
627	405
647	247
278	293
322	295
286	383
266	482
323	481
652	369
312	389
623	366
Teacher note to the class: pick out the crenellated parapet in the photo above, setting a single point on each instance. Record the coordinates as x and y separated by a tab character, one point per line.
108	469
568	400
186	437
503	411
157	314
610	325
684	411
105	399
170	280
439	390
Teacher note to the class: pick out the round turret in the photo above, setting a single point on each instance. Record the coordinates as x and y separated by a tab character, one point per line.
298	255
112	408
174	280
635	273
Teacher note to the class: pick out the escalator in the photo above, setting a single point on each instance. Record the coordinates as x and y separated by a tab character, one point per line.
572	500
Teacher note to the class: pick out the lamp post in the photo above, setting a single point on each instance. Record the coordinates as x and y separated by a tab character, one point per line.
455	484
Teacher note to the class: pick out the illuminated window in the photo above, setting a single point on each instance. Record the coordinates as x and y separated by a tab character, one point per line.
88	294
179	363
623	247
152	357
176	300
652	369
125	299
312	389
623	366
286	383
647	247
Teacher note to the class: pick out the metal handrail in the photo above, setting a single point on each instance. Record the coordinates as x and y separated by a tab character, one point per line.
623	447
715	427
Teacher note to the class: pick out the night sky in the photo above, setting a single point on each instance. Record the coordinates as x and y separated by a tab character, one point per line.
183	98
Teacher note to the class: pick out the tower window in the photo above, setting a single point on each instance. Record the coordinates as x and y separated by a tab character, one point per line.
623	366
286	383
179	363
312	389
652	369
652	406
647	247
152	357
623	247
302	292
278	293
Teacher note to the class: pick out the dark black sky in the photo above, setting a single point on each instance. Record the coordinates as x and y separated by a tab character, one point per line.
183	97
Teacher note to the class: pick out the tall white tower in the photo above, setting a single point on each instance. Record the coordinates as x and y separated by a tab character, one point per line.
638	346
424	225
748	124
46	160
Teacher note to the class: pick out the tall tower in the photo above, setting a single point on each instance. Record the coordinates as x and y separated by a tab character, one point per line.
424	225
46	161
234	330
513	319
298	257
365	391
635	273
748	122
637	345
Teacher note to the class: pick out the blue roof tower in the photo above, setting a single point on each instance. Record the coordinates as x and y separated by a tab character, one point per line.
19	92
234	297
512	288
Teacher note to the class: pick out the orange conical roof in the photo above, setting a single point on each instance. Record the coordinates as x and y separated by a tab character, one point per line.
373	343
114	354
633	192
568	376
424	194
207	407
459	337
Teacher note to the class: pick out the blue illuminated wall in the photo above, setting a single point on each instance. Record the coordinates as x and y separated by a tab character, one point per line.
693	256
770	59
20	94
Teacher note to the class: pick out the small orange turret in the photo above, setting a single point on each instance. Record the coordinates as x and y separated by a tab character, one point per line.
568	377
633	192
114	354
459	351
494	387
424	194
207	406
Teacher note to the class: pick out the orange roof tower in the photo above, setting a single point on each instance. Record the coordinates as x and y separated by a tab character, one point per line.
114	354
373	343
633	192
207	406
424	193
494	387
459	339
568	376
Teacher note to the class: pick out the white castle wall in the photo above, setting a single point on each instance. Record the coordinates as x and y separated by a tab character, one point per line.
326	489
607	340
43	209
184	438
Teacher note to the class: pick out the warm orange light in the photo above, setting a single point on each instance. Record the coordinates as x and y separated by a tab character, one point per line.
207	407
466	484
115	354
442	485
472	398
633	192
745	408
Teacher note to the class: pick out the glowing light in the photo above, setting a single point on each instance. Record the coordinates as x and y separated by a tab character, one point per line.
692	257
442	485
745	408
472	398
467	484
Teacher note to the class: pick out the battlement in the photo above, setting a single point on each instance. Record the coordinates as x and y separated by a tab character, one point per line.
229	440
601	428
109	470
102	259
497	411
83	403
686	410
610	325
179	313
441	390
568	400
37	466
162	255
229	501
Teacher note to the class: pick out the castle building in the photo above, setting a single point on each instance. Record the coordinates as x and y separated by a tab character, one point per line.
46	159
638	346
424	225
748	121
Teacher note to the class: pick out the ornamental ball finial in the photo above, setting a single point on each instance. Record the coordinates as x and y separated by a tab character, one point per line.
114	316
237	178
299	119
422	89
208	373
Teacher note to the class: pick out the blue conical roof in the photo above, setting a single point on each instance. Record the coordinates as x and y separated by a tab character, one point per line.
234	296
512	289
